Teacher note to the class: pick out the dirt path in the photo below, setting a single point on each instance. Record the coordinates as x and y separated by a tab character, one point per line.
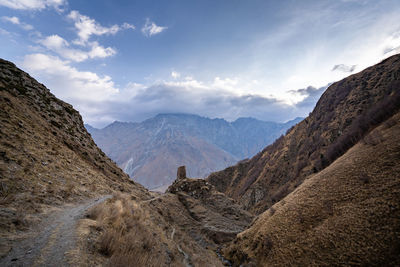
53	238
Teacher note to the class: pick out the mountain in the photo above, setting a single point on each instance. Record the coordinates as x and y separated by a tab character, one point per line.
151	151
344	114
347	214
63	202
344	210
47	158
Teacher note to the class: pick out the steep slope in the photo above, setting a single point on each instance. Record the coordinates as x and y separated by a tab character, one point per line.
51	171
344	113
47	157
150	151
347	214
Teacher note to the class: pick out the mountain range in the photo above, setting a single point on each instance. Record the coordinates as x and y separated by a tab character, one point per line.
327	193
151	151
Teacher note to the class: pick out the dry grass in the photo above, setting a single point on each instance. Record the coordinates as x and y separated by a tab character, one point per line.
126	232
348	214
346	111
128	237
47	158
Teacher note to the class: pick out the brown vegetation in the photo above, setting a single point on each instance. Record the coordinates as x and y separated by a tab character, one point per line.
47	158
347	214
345	113
185	226
127	232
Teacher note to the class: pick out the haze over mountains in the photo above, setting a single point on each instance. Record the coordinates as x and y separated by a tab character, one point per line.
151	151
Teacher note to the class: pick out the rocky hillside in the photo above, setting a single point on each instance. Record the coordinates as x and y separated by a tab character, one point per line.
151	151
50	169
344	114
47	157
347	214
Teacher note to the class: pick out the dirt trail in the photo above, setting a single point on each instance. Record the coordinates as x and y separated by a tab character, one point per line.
53	238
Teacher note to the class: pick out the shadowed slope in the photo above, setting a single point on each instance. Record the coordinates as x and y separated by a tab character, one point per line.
348	214
47	157
345	112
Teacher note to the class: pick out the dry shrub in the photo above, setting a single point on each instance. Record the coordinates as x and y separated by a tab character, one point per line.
107	242
129	237
95	212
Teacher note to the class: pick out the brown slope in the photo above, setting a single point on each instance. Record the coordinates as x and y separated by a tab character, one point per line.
47	159
345	112
46	155
347	214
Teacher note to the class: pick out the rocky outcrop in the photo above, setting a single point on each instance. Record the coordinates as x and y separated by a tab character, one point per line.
218	217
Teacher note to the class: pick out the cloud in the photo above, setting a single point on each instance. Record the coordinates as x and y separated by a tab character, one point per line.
175	74
67	82
87	27
4	32
391	45
344	68
226	84
33	4
60	46
128	26
100	102
310	96
150	28
16	21
211	102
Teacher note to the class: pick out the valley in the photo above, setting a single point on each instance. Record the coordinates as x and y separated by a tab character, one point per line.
150	151
325	193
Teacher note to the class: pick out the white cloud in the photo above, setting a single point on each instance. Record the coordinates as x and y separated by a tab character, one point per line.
175	74
98	51
13	20
150	28
101	102
87	27
391	44
4	32
67	82
128	26
344	68
33	4
60	46
16	21
226	84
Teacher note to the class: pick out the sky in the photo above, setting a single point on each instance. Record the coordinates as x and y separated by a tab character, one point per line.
130	60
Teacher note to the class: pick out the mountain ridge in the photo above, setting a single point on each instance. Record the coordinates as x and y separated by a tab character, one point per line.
151	150
342	115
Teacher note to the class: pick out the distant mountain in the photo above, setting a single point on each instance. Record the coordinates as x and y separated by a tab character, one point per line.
151	151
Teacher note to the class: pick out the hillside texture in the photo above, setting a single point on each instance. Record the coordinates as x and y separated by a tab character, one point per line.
151	151
47	157
51	172
344	113
347	214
